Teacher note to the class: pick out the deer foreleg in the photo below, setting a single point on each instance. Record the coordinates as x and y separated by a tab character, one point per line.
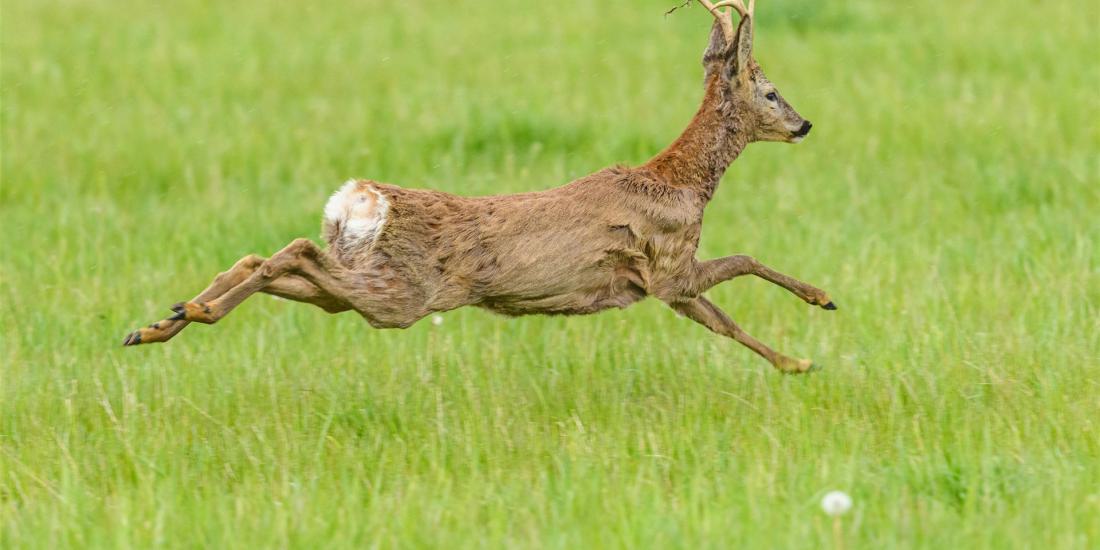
705	313
711	272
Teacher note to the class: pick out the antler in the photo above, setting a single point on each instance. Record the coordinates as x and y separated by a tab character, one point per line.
725	17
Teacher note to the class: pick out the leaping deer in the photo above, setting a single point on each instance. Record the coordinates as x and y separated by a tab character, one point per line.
608	239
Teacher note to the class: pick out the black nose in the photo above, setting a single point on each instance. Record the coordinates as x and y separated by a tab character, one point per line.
805	129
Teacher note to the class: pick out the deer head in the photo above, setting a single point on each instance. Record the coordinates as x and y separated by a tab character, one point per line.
729	58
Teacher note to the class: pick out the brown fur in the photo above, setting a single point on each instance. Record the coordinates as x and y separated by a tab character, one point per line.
605	240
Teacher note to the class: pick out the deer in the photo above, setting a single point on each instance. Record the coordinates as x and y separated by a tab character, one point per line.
607	240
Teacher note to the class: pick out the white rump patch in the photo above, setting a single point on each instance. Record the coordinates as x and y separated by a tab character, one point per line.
357	210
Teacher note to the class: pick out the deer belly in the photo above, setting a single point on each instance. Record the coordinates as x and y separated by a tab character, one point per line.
614	290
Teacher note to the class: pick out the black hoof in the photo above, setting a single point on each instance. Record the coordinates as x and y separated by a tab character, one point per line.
132	339
829	306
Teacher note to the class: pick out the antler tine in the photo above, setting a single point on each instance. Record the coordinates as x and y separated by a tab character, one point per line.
708	6
738	5
723	17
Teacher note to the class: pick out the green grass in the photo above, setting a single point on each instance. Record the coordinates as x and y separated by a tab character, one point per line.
948	199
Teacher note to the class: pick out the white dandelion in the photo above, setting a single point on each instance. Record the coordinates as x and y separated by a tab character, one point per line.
836	503
437	320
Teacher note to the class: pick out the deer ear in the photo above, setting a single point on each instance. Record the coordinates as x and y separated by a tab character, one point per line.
718	51
742	52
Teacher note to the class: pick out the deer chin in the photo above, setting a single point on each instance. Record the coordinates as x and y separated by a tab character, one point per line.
797	136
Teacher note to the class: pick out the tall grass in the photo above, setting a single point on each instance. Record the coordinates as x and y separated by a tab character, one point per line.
948	199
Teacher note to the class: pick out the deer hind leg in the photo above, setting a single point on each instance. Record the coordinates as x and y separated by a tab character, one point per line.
290	262
712	272
705	313
299	289
291	287
165	329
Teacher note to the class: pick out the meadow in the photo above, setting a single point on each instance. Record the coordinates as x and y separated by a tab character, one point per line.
948	199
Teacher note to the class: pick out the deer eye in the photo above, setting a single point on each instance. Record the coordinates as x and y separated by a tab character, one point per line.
772	97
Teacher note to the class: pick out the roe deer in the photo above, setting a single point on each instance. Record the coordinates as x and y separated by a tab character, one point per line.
609	239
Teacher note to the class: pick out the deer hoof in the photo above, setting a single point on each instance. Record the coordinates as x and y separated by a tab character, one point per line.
805	366
829	306
156	332
789	365
132	339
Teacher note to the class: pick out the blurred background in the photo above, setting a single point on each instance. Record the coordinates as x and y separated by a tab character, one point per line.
947	198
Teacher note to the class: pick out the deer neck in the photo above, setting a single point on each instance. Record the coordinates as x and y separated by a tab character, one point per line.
706	148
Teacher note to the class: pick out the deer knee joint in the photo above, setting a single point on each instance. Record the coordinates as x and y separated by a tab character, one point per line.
747	261
287	259
276	266
300	247
251	261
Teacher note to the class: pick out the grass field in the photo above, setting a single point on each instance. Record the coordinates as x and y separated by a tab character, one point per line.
948	199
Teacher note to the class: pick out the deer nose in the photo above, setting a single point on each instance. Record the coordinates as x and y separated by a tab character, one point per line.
805	129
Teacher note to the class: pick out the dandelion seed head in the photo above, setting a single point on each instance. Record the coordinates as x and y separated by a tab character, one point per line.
836	503
437	320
